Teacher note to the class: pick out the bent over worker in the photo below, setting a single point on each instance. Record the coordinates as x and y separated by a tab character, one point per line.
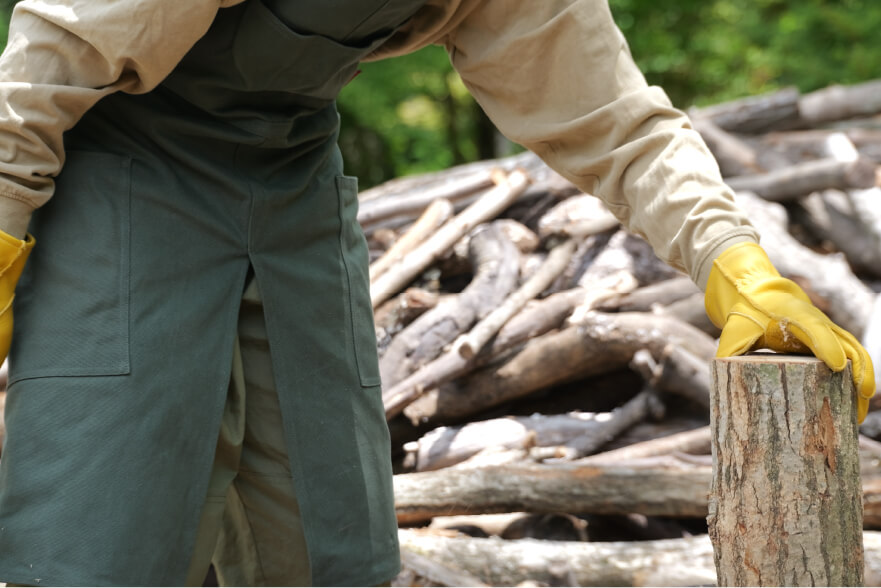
193	373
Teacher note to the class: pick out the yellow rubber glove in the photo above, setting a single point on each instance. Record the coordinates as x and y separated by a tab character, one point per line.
756	308
13	255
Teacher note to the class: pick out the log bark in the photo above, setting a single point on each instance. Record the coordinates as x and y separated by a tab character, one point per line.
841	102
649	297
455	362
670	485
663	486
484	209
599	344
757	114
494	259
828	217
696	441
447	446
437	213
469	345
785	505
438	572
665	562
801	179
678	371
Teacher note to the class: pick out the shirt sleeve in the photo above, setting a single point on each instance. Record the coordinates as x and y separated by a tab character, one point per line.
61	58
557	77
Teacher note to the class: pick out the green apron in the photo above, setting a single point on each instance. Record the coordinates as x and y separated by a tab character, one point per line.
126	314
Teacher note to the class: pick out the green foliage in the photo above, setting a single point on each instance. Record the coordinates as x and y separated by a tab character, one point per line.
408	115
707	52
5	12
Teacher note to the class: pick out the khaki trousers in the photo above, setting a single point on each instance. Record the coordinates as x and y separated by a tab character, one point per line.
250	527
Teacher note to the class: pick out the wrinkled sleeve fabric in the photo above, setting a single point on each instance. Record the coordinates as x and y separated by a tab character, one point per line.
61	58
557	77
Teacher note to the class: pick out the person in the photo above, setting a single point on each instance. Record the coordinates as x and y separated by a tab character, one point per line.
193	373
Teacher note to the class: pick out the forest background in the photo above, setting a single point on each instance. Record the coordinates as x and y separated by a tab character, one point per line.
413	114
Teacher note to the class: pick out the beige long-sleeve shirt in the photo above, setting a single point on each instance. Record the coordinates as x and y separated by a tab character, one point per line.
555	76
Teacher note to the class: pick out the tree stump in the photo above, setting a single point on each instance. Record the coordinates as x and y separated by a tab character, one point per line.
785	504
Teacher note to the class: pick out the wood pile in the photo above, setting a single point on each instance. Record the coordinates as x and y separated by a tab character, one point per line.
546	376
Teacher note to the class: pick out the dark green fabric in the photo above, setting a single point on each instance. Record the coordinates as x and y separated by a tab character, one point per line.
126	314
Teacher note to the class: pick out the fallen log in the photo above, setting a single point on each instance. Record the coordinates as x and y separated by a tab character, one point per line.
437	213
484	209
677	371
667	485
695	441
494	259
665	562
662	486
692	310
447	446
599	344
637	409
445	368
647	298
469	345
395	314
438	572
756	114
828	217
841	102
577	217
801	179
537	318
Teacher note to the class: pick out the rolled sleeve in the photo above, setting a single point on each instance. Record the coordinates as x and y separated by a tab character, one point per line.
62	57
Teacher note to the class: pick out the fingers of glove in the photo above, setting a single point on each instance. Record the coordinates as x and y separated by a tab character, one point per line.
804	320
863	370
862	409
5	332
823	342
779	338
739	334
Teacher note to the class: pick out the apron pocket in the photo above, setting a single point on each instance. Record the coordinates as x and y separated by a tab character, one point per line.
71	307
354	255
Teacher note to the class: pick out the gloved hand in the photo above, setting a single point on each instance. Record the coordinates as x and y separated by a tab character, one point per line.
13	255
755	307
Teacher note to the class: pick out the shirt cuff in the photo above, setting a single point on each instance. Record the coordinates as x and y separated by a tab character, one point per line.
15	215
701	271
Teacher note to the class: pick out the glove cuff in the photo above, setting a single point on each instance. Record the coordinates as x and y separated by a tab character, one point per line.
13	255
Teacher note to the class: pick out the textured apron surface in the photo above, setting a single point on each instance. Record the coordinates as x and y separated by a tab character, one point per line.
126	314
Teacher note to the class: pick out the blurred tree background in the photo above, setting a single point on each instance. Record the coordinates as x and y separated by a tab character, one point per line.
413	114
